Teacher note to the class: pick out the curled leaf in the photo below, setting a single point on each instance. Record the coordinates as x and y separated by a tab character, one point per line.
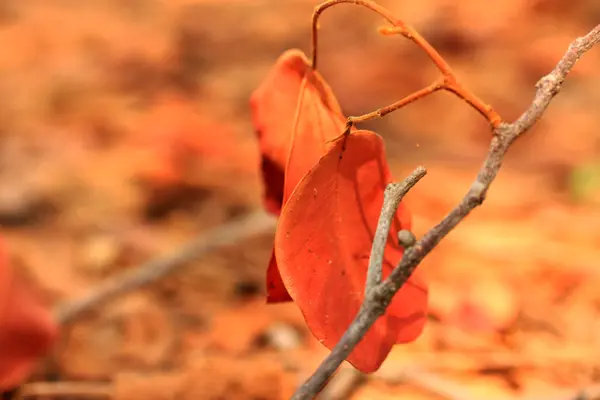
296	117
294	107
323	242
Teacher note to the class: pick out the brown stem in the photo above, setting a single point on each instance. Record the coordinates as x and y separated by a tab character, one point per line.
471	99
324	6
434	87
451	83
399	27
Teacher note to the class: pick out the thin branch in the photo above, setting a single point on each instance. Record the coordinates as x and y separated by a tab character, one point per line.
436	384
377	300
392	196
549	85
449	82
343	384
504	136
588	393
366	317
86	390
224	235
419	94
382	11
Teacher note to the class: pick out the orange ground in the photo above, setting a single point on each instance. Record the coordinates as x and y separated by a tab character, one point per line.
126	132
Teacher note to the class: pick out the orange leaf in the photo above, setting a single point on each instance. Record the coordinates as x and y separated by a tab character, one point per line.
173	137
293	102
27	329
296	115
323	242
276	291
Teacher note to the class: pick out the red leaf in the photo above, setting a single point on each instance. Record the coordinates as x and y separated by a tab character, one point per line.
296	115
276	291
323	242
293	102
27	329
174	138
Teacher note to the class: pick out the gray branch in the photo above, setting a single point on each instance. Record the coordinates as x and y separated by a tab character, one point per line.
225	235
392	196
380	296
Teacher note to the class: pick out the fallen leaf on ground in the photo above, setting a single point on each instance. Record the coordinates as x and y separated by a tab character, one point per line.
175	139
27	329
486	306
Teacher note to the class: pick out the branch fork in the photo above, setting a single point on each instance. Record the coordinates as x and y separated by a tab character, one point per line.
378	292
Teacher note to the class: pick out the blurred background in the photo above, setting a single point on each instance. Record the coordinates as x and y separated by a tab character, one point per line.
125	132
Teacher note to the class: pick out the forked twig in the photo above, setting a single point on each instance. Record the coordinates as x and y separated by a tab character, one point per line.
449	82
392	196
224	235
504	134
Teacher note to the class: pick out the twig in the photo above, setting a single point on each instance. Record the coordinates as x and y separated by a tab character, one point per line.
322	7
449	81
392	196
435	384
343	384
588	393
377	300
224	235
87	390
419	94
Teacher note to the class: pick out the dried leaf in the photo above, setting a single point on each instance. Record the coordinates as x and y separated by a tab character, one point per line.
323	242
486	307
174	140
293	102
296	116
27	329
276	291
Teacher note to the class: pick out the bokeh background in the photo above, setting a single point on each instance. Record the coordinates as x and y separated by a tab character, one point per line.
125	132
